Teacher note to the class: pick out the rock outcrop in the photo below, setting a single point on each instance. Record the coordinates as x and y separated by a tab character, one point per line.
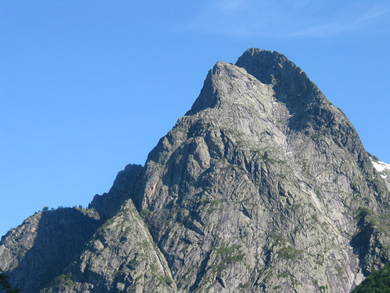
37	251
263	186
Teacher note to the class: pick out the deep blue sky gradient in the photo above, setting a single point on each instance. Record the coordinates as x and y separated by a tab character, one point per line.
87	87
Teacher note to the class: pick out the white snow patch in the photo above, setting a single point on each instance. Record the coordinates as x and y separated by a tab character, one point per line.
380	166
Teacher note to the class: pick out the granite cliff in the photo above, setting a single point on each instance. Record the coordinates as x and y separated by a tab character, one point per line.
262	186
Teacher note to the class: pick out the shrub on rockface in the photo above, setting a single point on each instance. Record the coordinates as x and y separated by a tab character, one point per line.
5	285
377	282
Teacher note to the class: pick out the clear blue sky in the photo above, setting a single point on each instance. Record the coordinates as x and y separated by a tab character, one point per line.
87	87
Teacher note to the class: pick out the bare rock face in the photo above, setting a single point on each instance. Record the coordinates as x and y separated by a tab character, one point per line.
36	252
108	204
263	186
120	257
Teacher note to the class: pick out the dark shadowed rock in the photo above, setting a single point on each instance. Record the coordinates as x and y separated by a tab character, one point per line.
36	252
108	204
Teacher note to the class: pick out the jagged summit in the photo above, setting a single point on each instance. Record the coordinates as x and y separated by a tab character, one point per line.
272	70
266	66
279	90
263	186
290	84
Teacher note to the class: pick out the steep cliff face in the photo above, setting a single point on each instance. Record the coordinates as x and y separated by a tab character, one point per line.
263	186
120	257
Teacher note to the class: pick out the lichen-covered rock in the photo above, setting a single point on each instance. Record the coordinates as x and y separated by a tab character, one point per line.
263	186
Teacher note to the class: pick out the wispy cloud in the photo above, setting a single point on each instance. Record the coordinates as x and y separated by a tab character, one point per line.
282	18
221	17
349	23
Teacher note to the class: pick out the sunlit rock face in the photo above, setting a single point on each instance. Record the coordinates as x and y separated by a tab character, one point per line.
263	186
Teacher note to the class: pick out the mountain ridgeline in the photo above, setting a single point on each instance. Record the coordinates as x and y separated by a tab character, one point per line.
262	186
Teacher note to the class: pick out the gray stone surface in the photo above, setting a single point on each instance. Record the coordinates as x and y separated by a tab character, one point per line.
263	186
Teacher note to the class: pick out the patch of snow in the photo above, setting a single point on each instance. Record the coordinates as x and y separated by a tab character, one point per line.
380	166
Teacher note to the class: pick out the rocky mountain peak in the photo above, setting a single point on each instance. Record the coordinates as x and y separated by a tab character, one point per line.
263	186
272	72
265	65
290	84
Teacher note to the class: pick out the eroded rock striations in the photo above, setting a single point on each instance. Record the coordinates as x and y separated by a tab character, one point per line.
263	186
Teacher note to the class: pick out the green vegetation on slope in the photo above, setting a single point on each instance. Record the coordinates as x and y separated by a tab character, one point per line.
5	285
377	282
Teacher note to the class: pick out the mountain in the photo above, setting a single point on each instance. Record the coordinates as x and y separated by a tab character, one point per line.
262	186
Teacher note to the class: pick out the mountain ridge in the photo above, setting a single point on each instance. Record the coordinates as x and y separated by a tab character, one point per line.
262	186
